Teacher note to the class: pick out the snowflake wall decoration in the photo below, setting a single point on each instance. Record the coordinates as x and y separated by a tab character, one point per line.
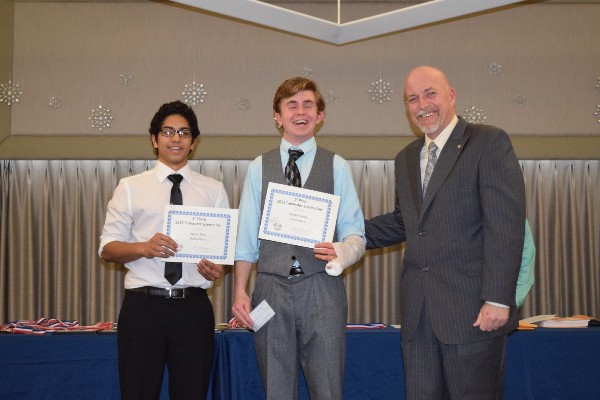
194	93
55	102
474	115
519	101
243	103
597	113
101	118
381	91
331	98
308	72
126	79
10	93
495	68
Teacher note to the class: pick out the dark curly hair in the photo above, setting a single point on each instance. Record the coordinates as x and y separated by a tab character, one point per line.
174	108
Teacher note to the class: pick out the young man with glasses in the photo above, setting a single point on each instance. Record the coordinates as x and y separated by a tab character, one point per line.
166	317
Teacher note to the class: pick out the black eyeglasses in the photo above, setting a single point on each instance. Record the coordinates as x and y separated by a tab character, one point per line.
167	131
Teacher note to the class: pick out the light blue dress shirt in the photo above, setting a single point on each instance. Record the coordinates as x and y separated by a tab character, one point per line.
350	220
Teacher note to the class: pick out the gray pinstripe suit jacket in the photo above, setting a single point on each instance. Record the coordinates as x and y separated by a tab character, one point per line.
464	240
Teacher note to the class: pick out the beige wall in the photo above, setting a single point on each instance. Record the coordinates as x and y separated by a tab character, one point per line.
549	54
6	50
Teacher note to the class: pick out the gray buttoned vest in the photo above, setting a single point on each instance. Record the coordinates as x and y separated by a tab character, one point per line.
276	258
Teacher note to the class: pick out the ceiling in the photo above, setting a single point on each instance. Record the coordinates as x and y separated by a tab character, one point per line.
273	14
290	16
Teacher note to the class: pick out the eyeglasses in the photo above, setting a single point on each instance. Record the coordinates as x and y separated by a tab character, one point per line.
167	131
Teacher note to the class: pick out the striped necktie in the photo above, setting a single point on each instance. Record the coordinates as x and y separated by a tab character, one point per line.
292	173
432	149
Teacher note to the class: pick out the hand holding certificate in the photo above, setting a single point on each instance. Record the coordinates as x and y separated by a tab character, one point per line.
202	232
298	216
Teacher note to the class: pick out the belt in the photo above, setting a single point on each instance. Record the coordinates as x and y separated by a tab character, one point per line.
169	293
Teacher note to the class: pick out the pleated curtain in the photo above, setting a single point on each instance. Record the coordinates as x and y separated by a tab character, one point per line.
52	213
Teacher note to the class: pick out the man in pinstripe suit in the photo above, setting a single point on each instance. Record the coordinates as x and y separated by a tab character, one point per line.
460	207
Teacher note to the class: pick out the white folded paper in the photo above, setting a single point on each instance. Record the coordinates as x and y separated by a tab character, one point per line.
261	314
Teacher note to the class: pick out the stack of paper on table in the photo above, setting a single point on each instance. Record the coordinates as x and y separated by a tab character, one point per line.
566	322
552	321
530	323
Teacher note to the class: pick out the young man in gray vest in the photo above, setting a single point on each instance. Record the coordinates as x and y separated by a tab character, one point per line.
302	285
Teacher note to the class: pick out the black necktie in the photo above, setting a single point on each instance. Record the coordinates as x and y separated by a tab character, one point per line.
173	269
292	173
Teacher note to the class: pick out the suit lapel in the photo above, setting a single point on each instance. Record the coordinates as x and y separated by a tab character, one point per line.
448	157
413	159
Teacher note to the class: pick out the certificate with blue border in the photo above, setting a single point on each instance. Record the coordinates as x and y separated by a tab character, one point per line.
298	216
202	232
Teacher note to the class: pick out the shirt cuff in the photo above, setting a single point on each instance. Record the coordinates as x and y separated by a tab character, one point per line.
497	304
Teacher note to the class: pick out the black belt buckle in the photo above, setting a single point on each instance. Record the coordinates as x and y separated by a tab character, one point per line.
176	293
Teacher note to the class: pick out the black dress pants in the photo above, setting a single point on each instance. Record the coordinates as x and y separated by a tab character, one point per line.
154	332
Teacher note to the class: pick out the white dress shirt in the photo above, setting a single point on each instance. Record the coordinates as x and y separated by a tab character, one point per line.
136	212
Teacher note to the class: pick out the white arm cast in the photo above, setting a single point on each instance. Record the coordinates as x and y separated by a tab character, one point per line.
348	252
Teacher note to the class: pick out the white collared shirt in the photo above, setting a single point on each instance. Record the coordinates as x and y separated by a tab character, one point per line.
136	212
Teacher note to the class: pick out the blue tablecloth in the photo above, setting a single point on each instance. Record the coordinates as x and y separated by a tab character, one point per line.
373	366
541	364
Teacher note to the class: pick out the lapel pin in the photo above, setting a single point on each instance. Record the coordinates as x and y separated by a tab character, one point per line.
458	146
